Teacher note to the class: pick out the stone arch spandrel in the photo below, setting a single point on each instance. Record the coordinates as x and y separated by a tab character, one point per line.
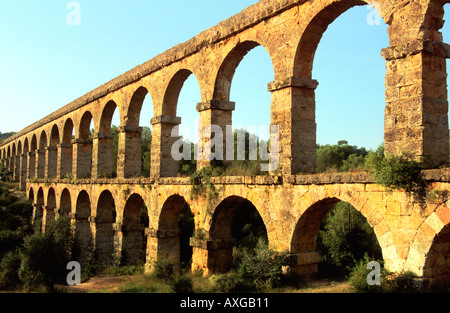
424	238
313	198
233	57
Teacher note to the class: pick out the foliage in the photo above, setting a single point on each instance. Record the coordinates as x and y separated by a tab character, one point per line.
46	255
345	237
396	172
358	278
341	157
201	181
9	269
255	269
146	140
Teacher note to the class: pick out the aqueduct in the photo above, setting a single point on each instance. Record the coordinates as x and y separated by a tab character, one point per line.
64	169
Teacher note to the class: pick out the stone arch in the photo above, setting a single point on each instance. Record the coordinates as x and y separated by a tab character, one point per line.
83	147
172	242
104	227
133	227
106	117
313	211
84	126
83	232
31	195
228	68
50	208
105	162
221	232
26	146
32	158
41	155
172	92
309	41
133	115
66	153
65	203
52	152
38	211
428	252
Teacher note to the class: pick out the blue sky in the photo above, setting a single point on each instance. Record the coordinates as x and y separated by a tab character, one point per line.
46	63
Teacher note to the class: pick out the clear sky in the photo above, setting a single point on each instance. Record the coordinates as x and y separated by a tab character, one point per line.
46	63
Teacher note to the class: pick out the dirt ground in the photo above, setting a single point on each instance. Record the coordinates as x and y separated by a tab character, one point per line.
110	284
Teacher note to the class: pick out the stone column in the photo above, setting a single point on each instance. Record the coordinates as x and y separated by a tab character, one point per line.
293	111
83	234
219	114
103	239
23	172
65	156
416	114
162	162
128	243
52	162
129	157
82	158
31	165
212	256
49	214
163	245
102	156
40	163
304	264
17	168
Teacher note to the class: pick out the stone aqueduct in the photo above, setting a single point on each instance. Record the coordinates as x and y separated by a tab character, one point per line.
293	202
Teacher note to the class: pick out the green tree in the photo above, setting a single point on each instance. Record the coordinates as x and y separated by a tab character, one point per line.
146	151
341	157
345	237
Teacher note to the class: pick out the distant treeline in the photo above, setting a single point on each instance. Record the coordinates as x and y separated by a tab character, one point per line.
4	136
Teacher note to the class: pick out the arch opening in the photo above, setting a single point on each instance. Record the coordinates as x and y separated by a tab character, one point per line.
250	65
437	264
237	222
49	212
134	242
105	233
177	223
66	152
330	237
38	210
65	205
83	233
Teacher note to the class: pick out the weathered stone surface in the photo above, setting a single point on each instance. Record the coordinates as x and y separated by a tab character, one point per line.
63	175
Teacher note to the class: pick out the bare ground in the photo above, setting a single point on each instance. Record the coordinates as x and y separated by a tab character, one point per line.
112	284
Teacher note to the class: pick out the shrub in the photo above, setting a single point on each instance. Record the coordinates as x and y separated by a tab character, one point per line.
345	237
358	278
396	172
46	255
9	268
9	241
258	268
182	284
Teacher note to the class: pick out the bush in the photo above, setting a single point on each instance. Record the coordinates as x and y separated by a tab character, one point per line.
255	269
345	237
46	255
9	241
9	269
358	278
396	172
182	284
